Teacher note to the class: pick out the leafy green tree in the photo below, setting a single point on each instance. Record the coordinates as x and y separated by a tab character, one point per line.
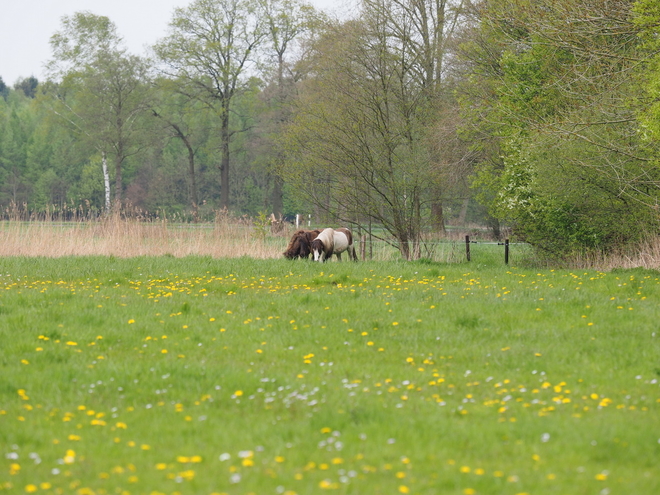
287	22
209	51
102	93
647	19
17	125
4	89
188	121
28	85
551	103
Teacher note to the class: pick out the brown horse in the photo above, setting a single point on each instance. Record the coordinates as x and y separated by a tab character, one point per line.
300	244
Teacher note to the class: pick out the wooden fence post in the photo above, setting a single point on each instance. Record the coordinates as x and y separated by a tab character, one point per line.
467	247
506	251
363	247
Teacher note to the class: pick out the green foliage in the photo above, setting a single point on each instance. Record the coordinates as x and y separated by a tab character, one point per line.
261	226
563	161
647	17
28	85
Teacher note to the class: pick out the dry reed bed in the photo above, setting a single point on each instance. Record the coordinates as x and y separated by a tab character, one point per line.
644	255
127	238
227	239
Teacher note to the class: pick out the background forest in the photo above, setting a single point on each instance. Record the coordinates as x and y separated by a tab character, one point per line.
409	116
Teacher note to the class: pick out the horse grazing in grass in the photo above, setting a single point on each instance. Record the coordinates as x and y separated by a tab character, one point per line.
300	245
330	242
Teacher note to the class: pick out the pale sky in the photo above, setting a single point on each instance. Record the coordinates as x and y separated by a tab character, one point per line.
26	27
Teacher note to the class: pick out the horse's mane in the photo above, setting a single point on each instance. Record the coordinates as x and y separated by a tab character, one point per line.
300	244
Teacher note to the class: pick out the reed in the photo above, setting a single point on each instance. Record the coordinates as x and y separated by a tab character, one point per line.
125	238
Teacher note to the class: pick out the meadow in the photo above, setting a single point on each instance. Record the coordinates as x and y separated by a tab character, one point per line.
204	375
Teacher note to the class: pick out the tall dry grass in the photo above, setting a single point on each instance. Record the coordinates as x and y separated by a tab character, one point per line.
645	254
115	236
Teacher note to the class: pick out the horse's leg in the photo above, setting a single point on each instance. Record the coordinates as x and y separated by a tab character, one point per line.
338	256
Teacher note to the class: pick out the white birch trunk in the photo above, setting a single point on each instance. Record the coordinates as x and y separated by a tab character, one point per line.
106	182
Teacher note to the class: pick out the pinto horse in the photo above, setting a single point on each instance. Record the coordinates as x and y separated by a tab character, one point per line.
330	242
300	245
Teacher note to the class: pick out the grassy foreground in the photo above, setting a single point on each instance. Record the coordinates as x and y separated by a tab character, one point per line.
197	375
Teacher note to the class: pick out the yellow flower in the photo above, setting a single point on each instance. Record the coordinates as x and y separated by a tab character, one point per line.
31	488
404	489
131	321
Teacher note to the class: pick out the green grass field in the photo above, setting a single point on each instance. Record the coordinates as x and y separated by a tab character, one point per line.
198	376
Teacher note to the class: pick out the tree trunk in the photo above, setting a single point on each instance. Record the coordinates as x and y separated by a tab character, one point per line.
106	180
278	203
193	181
224	164
118	178
463	213
437	216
